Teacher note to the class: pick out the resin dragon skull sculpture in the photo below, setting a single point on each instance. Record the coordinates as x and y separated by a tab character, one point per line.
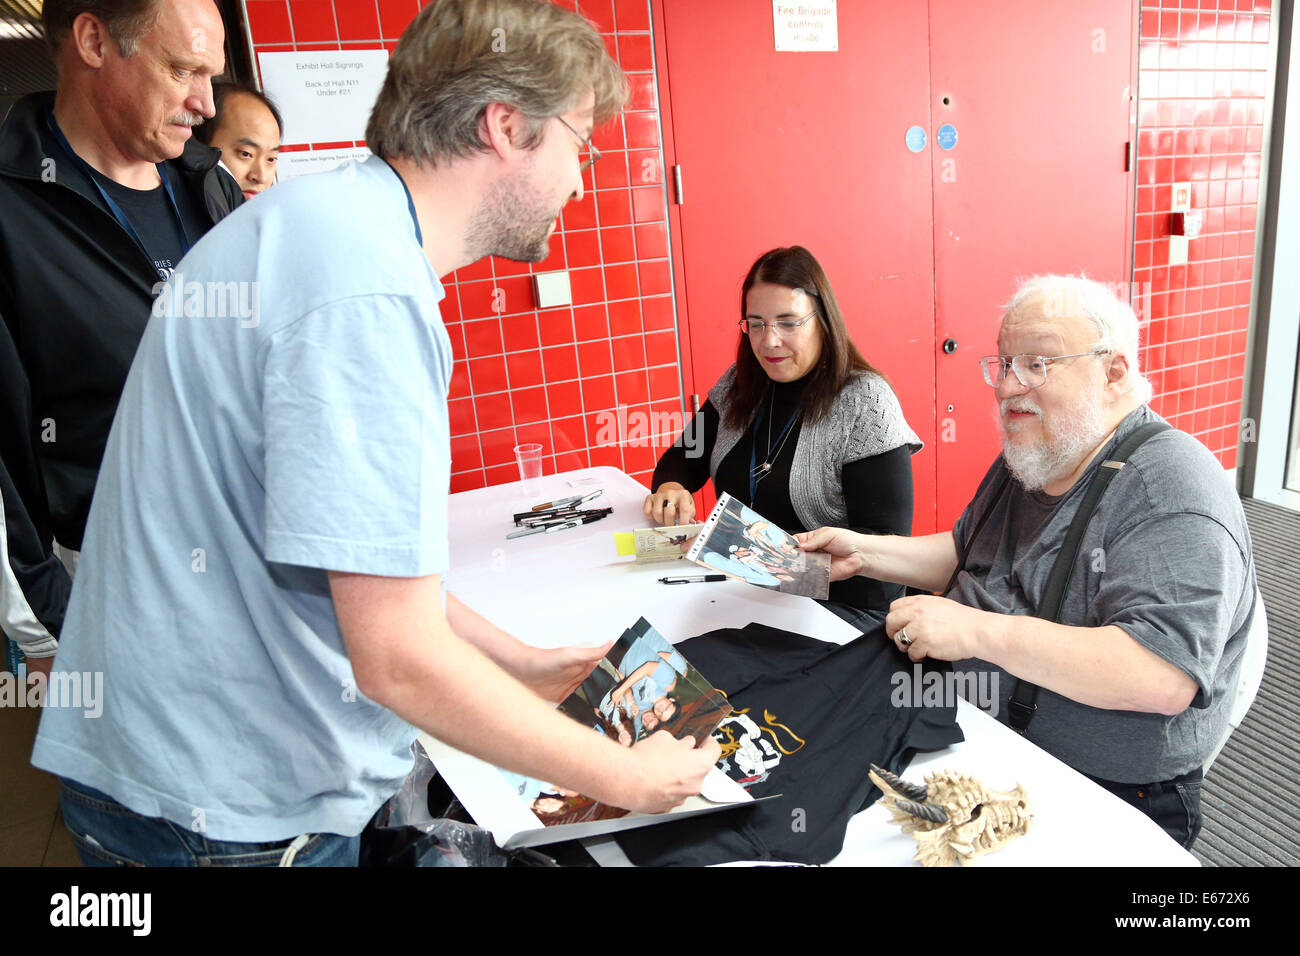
954	818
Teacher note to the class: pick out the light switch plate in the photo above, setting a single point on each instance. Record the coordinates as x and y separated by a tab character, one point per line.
553	289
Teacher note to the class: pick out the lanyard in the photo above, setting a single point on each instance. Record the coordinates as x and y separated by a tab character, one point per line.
410	204
113	207
753	452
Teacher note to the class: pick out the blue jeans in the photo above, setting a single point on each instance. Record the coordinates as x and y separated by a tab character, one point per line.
1174	804
108	834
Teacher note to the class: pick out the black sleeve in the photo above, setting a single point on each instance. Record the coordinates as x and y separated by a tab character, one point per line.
34	585
687	461
878	497
878	492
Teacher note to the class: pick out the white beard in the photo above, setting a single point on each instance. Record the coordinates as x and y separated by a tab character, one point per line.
1075	434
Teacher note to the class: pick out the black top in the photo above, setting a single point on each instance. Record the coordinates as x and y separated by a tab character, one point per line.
151	214
877	489
75	295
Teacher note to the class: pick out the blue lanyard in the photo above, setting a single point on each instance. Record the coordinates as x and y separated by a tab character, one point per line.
753	453
410	204
113	207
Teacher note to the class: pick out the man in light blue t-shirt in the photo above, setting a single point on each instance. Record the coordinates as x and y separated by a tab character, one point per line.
261	575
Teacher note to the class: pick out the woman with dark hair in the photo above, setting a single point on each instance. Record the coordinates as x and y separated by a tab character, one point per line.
802	428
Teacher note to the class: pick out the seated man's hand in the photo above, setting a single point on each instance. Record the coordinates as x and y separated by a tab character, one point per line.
669	771
555	674
841	545
923	625
670	504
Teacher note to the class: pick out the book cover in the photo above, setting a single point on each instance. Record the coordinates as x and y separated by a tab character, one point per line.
668	543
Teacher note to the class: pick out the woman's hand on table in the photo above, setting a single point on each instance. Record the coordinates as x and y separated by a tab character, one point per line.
842	545
670	504
554	674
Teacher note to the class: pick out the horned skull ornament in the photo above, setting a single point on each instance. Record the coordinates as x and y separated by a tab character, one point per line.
954	818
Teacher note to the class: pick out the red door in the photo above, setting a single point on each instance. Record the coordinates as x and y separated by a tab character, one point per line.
779	149
1038	95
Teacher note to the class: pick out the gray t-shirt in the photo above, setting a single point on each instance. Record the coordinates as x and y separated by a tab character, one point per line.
1166	557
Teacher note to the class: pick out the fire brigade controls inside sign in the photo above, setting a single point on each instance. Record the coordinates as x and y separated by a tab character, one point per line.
805	26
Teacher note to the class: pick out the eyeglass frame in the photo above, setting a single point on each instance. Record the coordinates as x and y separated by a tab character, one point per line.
790	330
1047	360
593	154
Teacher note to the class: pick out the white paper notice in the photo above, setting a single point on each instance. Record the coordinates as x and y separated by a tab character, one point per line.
325	97
803	26
304	163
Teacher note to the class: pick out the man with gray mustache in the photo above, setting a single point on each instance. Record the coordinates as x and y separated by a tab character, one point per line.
101	193
1131	682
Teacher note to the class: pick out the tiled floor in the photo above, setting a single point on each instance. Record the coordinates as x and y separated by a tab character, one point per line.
31	827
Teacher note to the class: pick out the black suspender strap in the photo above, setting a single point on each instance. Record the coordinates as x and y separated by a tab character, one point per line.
975	532
1021	706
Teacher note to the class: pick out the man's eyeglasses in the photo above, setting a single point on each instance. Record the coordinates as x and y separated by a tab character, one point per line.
593	153
784	327
1030	370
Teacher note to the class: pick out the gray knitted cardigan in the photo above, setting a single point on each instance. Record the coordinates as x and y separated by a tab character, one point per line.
864	420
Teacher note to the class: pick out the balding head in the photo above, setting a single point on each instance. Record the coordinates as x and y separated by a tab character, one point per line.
1109	323
134	78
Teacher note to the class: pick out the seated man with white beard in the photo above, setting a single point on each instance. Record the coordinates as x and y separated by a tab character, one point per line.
1133	685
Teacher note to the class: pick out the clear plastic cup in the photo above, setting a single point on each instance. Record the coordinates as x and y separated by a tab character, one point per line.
529	457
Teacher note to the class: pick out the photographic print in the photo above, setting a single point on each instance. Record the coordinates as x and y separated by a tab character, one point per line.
643	685
741	543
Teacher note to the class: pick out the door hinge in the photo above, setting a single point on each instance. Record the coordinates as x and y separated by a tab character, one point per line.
677	183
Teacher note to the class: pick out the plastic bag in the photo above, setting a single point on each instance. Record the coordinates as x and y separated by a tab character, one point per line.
424	825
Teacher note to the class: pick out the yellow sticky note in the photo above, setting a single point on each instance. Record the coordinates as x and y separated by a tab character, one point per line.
625	541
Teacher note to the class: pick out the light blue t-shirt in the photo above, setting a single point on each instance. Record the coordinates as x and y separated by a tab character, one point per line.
285	415
644	650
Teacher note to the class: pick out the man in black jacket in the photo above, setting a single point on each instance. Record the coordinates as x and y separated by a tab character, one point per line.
101	193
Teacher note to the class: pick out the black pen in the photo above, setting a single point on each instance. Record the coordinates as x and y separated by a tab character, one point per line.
696	579
538	527
571	524
562	516
529	517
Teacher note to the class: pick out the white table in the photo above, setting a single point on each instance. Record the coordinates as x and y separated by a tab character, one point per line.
571	587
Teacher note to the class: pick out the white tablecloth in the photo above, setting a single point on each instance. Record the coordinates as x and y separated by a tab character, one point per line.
571	587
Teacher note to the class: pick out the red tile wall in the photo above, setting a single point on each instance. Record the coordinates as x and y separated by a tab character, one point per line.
558	376
555	376
1204	73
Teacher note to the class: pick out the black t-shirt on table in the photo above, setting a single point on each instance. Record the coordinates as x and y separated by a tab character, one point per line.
822	714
